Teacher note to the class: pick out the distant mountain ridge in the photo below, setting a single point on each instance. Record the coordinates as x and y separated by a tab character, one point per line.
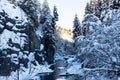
64	33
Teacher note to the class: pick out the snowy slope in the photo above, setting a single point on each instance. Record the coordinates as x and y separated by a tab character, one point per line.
14	20
6	35
12	10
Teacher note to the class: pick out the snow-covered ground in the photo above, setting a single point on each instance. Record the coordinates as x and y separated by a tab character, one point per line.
14	13
33	72
12	10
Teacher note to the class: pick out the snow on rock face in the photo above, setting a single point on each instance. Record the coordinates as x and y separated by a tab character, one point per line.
8	36
11	10
11	16
14	58
39	31
9	24
41	47
14	31
31	57
13	21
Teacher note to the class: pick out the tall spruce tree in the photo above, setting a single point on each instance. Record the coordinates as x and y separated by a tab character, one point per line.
47	20
115	4
46	13
98	8
76	27
55	13
55	16
88	8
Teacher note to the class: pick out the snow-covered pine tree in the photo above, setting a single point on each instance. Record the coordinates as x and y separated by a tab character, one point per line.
47	20
115	4
76	27
55	13
88	8
32	9
98	8
46	13
92	5
99	49
104	8
55	16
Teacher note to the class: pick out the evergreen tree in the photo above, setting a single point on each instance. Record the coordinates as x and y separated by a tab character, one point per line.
115	4
48	22
92	5
88	8
46	18
55	13
55	16
76	27
100	48
98	8
46	13
32	9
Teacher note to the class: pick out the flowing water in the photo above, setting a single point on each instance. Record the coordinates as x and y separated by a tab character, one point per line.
60	71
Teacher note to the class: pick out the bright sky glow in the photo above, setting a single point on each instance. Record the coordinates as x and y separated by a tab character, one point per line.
67	10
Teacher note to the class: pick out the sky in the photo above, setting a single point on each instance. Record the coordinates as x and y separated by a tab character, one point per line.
67	10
